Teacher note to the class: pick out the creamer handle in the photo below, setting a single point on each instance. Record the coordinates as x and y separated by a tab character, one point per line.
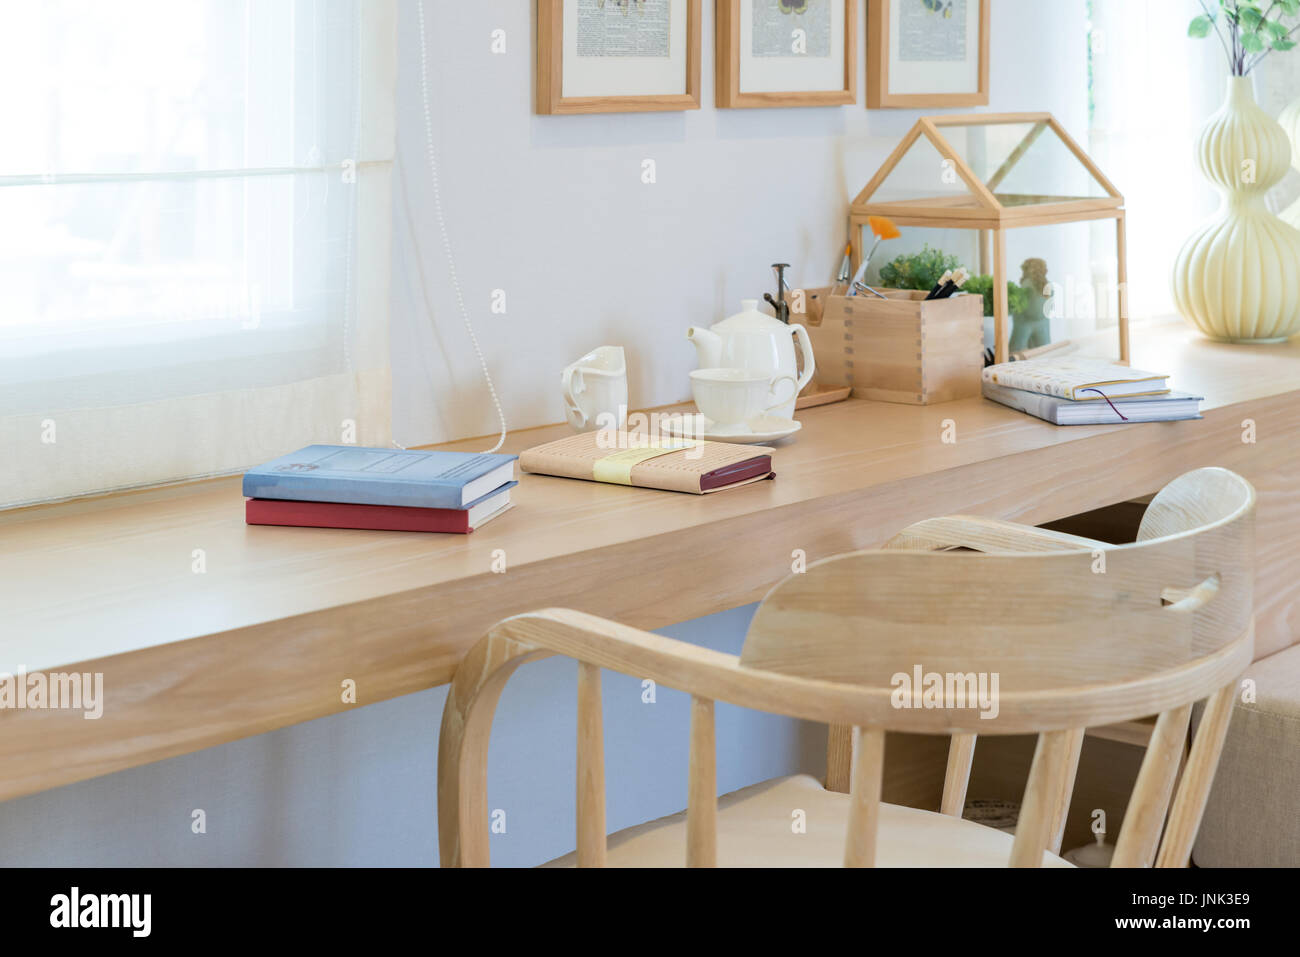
577	418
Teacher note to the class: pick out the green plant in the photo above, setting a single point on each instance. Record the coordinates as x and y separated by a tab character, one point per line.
919	270
1017	300
1247	29
922	271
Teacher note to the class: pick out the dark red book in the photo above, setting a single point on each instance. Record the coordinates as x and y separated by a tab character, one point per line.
391	518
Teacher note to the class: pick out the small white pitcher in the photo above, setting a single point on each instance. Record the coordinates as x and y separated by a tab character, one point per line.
595	390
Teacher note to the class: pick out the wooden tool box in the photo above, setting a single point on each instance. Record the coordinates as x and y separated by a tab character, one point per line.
900	349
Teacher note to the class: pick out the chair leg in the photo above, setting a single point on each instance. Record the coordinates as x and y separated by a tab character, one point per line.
1042	795
1198	775
864	798
1139	836
591	769
1067	792
702	788
961	754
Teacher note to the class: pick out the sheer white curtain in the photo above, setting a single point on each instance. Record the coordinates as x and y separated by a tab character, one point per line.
194	236
1153	87
1277	86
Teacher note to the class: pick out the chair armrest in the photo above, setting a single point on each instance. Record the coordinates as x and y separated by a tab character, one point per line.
986	535
713	675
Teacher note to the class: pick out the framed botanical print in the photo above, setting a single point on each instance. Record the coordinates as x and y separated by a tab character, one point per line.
618	56
923	53
786	52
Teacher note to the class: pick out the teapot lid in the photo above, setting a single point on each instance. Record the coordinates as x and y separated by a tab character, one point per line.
750	313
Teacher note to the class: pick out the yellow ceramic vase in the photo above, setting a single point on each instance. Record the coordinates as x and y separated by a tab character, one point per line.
1237	279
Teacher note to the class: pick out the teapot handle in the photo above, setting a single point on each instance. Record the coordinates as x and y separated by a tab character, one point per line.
809	364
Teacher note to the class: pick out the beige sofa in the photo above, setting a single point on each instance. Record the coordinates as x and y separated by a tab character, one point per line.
1252	818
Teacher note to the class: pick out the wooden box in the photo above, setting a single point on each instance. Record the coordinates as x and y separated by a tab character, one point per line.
900	349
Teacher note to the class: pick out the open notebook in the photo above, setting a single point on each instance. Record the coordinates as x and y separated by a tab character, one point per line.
675	465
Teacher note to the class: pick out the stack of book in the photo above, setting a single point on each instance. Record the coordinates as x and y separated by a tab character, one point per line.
1073	390
408	490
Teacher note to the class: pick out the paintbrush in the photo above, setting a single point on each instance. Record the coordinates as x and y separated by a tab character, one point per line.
938	286
882	227
948	285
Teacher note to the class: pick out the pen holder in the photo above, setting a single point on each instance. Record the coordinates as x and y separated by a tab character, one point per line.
903	348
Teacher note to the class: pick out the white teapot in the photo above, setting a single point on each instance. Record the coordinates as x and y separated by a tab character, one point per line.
758	342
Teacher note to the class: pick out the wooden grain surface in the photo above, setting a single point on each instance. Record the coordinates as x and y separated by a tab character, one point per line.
280	618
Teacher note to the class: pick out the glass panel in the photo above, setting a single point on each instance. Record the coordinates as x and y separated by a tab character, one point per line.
1023	164
920	255
1075	264
1061	278
924	173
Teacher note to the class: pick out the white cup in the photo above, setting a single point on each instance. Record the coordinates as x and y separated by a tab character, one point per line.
595	390
731	397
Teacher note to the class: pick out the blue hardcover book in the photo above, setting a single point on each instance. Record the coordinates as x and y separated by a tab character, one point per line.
346	473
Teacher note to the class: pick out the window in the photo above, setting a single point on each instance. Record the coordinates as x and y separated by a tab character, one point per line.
1152	89
193	202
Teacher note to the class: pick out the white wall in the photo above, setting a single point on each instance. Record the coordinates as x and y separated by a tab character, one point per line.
552	209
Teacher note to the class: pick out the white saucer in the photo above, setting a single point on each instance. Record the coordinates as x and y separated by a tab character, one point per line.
757	431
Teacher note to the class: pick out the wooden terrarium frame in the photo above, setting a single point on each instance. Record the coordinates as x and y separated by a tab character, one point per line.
981	208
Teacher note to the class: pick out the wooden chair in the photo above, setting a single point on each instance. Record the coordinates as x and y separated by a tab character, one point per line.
1077	633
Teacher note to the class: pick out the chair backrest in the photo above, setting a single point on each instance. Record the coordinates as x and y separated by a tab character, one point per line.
1194	500
1054	626
1050	642
933	642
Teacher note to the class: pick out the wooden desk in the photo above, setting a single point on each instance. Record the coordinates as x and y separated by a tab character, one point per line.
266	635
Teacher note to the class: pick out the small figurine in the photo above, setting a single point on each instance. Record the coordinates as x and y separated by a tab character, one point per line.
1030	327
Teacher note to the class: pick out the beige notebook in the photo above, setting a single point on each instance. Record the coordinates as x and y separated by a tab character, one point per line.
675	465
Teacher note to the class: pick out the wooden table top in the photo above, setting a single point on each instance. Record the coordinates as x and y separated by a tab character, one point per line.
279	617
115	574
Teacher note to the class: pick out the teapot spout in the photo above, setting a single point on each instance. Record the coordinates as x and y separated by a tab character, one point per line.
708	346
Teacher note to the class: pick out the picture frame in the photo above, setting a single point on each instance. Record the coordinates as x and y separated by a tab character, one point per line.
743	79
609	79
946	66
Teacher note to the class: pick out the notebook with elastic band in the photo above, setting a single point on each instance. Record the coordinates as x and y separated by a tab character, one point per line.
674	465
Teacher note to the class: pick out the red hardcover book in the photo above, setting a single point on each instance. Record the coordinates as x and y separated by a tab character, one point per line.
392	518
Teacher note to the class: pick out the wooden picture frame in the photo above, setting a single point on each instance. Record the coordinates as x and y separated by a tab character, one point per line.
550	70
728	93
879	95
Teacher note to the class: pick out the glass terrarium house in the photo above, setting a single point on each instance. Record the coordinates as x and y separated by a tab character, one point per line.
1001	192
